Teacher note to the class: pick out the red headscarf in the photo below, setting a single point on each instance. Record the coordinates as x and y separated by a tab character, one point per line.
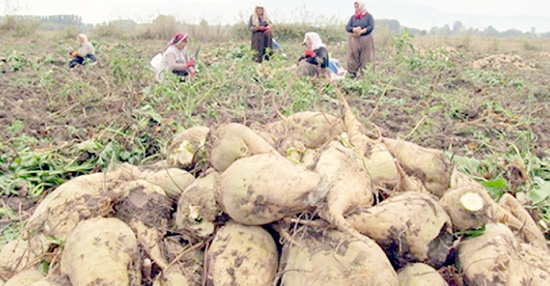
177	38
363	10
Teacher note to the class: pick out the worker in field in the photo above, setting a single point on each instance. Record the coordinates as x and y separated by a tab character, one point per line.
85	53
314	61
175	58
261	27
361	42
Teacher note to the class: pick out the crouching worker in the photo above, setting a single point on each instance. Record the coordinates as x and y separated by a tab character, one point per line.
175	58
85	53
314	61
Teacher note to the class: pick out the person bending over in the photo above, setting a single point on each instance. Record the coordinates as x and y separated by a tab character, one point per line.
175	58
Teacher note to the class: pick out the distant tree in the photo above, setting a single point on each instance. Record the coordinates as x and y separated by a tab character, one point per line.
58	22
444	31
394	26
203	32
414	31
512	33
458	28
491	32
163	27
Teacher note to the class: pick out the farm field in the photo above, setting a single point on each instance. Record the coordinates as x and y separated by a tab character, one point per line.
484	102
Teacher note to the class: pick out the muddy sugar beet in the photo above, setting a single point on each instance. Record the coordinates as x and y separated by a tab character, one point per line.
331	257
265	188
242	255
103	251
405	235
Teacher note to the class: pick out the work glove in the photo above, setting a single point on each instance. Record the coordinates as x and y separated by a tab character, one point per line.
190	63
309	54
268	30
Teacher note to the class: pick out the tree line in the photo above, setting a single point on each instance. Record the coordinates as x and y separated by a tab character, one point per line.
59	22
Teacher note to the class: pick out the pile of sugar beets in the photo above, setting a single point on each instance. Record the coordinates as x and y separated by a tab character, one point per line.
312	199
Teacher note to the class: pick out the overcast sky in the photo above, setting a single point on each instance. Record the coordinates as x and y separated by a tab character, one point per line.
423	14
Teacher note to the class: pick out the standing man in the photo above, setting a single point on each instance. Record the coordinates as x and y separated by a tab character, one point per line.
361	43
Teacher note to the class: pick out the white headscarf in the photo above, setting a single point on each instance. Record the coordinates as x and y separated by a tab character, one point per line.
256	19
362	7
83	37
316	41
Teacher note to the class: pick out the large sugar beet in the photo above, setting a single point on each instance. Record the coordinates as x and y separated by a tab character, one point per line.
242	255
332	257
348	182
419	274
431	166
265	188
185	148
470	206
78	199
233	141
411	227
197	207
497	258
101	251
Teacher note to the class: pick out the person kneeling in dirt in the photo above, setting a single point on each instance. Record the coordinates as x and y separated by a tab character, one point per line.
85	53
314	61
175	58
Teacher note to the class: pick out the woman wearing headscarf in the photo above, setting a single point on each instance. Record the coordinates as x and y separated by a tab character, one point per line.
260	25
314	61
175	57
361	43
85	53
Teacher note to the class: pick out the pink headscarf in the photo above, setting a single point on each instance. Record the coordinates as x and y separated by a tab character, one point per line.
176	39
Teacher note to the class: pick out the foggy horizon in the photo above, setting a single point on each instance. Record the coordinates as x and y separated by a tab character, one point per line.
426	13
